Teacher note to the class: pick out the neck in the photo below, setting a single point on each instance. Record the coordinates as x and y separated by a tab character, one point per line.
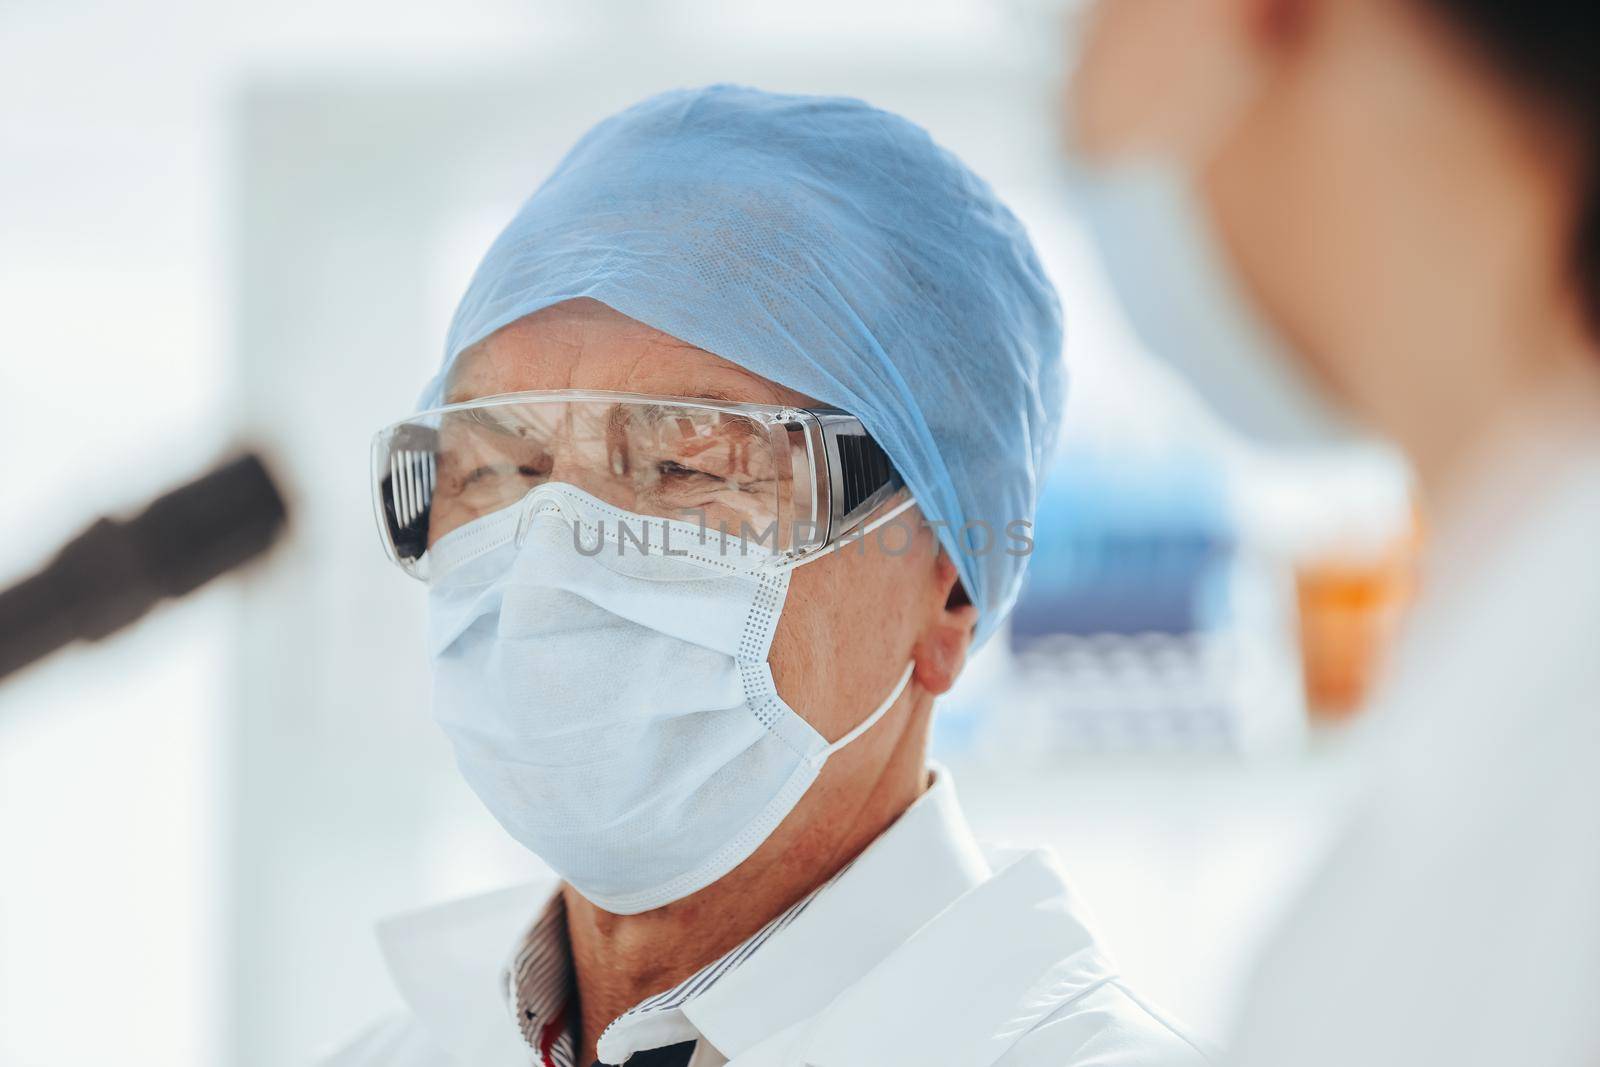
1516	458
619	960
1539	382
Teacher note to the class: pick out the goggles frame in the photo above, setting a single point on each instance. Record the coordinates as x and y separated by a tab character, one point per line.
848	466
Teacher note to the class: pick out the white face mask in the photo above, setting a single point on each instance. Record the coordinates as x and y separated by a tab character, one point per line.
613	708
1188	308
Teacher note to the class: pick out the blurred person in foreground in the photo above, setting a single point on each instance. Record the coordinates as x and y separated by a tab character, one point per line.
1341	216
677	651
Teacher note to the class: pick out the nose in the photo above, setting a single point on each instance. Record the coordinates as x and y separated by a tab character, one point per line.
596	468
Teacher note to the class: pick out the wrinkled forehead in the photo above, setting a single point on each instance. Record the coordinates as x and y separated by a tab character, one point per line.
583	344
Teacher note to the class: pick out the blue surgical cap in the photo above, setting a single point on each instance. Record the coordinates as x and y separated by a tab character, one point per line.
832	248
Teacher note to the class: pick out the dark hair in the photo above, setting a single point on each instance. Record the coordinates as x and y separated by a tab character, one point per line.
1553	48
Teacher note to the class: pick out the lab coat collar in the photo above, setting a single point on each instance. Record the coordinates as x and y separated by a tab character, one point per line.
966	986
448	963
919	911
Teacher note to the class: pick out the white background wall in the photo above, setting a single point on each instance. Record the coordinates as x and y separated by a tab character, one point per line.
232	222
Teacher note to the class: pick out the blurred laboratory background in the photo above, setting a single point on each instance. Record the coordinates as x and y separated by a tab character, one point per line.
229	225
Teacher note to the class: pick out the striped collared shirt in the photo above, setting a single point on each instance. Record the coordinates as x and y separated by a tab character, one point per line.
538	986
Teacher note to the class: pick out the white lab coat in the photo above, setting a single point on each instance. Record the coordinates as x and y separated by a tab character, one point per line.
1458	921
928	951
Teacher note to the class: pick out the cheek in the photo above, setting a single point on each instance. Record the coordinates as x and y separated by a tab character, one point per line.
804	654
845	628
1151	76
1115	85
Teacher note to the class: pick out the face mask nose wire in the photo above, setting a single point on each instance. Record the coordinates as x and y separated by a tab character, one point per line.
866	724
534	503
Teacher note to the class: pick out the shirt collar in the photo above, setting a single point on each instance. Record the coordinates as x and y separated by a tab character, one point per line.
538	987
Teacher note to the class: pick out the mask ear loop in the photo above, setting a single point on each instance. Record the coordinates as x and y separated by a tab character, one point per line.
866	724
871	527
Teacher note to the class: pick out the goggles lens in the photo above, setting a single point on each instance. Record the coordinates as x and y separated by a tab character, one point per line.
756	472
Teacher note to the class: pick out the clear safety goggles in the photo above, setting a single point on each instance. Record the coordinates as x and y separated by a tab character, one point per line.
794	479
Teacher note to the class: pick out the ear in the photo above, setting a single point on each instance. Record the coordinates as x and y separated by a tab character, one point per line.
941	649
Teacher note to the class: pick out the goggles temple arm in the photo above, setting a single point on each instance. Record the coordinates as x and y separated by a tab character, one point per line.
860	475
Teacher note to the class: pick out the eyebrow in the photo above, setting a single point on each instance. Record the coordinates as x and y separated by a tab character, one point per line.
719	395
460	395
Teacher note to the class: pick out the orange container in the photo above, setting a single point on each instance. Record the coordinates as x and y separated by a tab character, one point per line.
1350	611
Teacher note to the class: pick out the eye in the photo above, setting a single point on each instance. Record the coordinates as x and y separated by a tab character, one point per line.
494	471
670	469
